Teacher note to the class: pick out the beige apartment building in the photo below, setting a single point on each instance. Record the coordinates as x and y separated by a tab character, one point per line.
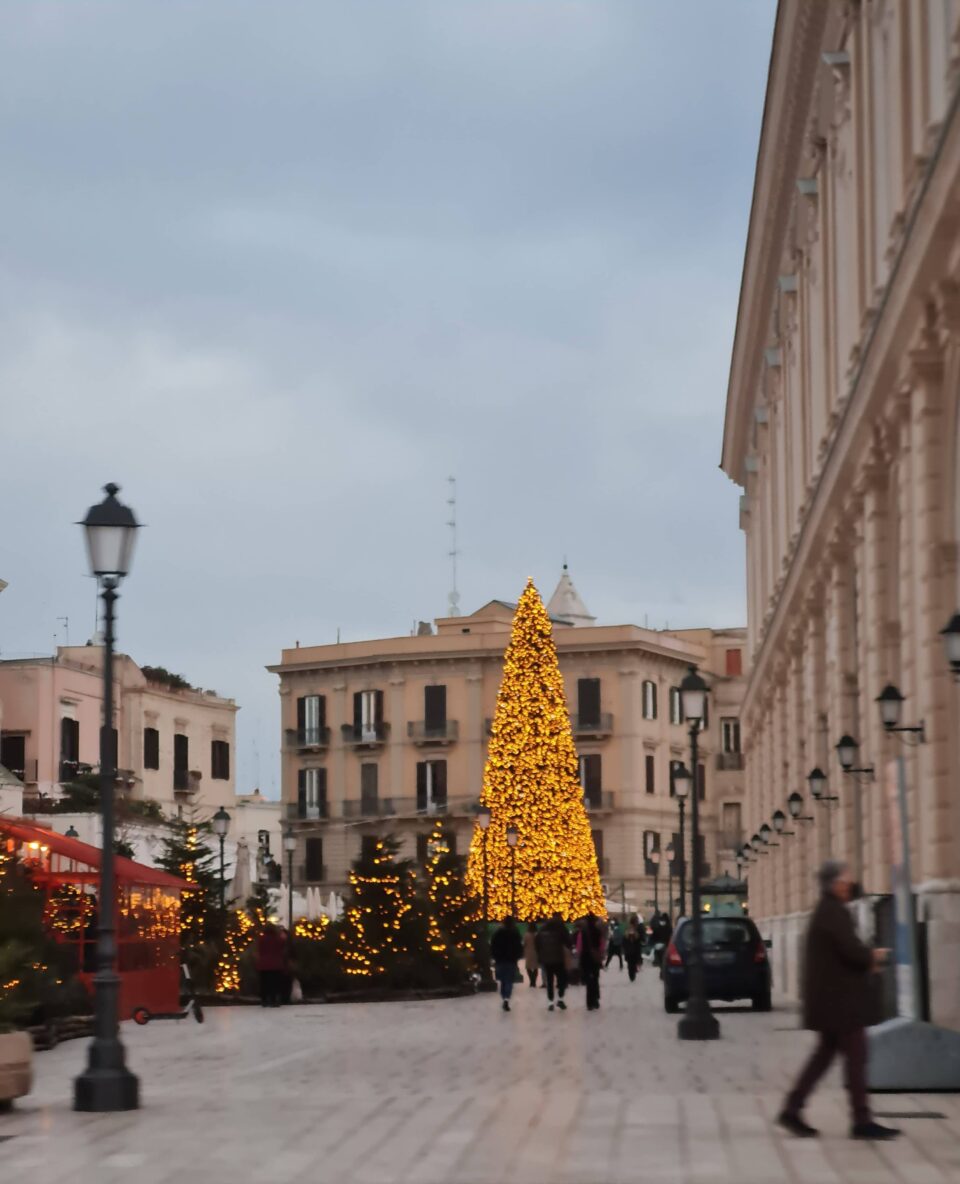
388	735
175	746
842	429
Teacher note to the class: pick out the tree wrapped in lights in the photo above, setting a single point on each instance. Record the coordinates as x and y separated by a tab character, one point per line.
531	781
380	913
454	912
187	854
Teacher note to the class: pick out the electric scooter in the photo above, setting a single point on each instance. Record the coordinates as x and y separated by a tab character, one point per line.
143	1015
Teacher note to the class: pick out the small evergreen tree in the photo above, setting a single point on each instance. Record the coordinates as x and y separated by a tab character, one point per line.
454	910
186	853
381	921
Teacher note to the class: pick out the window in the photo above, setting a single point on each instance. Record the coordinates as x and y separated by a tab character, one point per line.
368	715
651	843
734	663
588	702
649	698
731	825
423	848
674	766
313	869
13	754
220	760
676	706
591	780
69	748
431	787
368	848
702	781
311	718
312	793
181	761
151	748
730	733
597	836
435	710
369	788
650	764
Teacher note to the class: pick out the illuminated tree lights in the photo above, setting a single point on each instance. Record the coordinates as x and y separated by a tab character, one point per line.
531	781
381	904
453	911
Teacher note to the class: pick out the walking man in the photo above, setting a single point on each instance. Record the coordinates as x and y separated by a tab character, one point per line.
553	949
836	979
591	942
507	950
615	948
633	946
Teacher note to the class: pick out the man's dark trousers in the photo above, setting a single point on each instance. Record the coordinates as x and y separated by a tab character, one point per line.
555	975
852	1046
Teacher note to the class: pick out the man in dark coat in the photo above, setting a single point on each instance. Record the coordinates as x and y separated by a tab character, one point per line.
507	950
836	1004
553	949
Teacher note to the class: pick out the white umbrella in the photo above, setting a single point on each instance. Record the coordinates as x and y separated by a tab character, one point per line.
241	886
313	904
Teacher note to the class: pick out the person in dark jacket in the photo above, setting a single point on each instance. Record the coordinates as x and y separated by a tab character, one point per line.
633	946
836	1003
553	950
271	959
506	950
591	943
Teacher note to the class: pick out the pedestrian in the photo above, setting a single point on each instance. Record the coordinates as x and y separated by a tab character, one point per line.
286	974
615	946
553	949
591	941
507	950
270	965
633	947
836	1004
530	961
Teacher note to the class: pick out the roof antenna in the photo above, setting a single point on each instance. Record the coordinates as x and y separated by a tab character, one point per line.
65	622
453	599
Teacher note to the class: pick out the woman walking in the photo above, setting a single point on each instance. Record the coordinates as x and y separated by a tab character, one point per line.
633	947
591	943
530	959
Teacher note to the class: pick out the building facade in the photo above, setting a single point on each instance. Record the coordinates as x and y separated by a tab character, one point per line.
175	745
842	429
389	735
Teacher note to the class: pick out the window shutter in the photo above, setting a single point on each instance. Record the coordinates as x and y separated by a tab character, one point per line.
378	708
597	836
302	793
357	712
450	837
368	848
588	701
181	752
301	714
314	860
369	788
322	791
422	841
435	708
653	696
440	783
421	785
651	772
321	711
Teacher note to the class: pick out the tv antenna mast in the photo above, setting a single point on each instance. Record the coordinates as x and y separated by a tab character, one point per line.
453	599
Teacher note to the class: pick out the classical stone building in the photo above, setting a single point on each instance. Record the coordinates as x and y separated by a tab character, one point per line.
842	429
388	735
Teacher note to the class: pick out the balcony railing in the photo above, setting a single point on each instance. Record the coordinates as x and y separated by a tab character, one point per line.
307	738
422	734
182	780
306	812
598	800
369	808
597	727
729	761
356	809
317	875
371	736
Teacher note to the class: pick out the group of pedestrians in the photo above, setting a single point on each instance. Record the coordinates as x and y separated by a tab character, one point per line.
551	950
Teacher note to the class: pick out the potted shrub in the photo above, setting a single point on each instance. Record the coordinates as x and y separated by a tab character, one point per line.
16	1047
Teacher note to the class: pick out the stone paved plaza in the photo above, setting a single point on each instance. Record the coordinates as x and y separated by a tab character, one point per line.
456	1092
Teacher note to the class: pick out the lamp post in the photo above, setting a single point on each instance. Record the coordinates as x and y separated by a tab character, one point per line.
817	780
221	824
681	788
655	860
512	836
289	845
671	854
699	1022
847	750
107	1084
891	702
482	954
795	806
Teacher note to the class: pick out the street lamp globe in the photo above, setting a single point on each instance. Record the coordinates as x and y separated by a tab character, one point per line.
110	529
890	702
847	752
654	858
512	836
483	817
220	823
765	833
681	782
779	821
795	805
289	842
693	696
817	780
951	643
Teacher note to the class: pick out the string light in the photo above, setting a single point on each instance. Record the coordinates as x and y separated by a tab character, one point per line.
531	781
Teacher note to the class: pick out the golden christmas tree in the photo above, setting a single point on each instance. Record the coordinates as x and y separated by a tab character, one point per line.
531	782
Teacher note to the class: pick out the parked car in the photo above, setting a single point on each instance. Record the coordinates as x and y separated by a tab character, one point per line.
735	963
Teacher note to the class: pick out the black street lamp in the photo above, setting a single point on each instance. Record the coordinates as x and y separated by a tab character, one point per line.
847	749
512	837
780	823
699	1022
891	702
221	824
655	860
681	788
671	854
107	1084
482	953
289	845
817	780
766	836
795	806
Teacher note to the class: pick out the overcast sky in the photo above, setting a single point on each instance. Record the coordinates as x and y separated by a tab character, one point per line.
279	269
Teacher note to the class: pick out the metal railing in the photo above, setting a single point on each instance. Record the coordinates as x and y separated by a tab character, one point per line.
729	761
365	737
306	813
445	733
598	725
307	737
182	779
304	878
598	800
368	808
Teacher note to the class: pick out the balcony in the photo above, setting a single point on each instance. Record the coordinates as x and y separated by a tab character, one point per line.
314	812
729	761
597	727
435	734
369	808
307	739
417	807
311	875
371	736
185	781
598	801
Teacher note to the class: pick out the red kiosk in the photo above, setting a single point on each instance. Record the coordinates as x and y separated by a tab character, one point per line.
147	916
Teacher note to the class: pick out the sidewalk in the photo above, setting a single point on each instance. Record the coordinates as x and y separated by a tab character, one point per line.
457	1092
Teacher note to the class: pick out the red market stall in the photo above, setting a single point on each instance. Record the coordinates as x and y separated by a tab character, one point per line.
147	917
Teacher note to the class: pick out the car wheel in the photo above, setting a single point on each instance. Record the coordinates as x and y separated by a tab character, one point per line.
762	1002
671	1005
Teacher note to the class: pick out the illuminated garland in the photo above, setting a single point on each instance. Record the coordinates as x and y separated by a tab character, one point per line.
242	931
380	900
68	910
531	781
